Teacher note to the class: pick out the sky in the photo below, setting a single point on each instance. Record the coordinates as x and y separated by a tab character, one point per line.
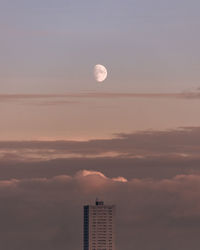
51	47
132	140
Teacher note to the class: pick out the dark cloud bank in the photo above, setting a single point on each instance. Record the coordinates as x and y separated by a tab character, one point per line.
43	189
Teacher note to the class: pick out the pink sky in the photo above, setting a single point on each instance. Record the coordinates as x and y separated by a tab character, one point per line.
98	116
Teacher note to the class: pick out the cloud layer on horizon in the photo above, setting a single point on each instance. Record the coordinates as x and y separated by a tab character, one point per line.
46	213
153	177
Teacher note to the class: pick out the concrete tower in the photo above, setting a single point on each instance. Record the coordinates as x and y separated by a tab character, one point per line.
99	221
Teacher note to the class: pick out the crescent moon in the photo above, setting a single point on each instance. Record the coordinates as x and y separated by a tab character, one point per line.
100	73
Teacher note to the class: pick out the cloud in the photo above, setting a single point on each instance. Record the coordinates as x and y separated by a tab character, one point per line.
68	98
147	154
47	212
86	173
120	179
178	143
152	176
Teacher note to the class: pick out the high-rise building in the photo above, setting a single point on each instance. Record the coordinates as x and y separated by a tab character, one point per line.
99	222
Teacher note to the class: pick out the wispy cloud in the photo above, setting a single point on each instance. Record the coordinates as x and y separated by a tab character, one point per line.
54	99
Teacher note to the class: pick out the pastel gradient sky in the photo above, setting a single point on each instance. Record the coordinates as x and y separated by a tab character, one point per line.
51	47
132	141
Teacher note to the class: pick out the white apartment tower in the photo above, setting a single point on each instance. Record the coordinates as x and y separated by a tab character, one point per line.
99	227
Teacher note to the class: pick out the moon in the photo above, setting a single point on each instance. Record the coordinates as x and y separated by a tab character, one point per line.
100	73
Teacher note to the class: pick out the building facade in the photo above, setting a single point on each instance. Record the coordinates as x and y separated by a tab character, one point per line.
99	227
